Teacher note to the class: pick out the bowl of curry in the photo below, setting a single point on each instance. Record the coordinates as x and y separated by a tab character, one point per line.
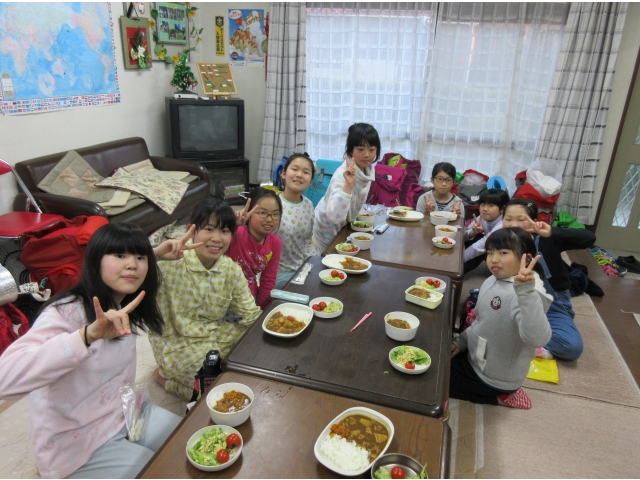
423	296
288	320
401	326
230	403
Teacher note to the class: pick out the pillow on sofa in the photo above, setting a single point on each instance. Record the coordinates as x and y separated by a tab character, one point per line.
73	177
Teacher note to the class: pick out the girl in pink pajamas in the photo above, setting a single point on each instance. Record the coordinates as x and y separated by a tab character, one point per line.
349	185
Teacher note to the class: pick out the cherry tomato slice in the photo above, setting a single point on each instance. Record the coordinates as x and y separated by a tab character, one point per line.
341	275
316	307
223	456
233	441
429	281
409	366
397	472
436	283
322	305
334	273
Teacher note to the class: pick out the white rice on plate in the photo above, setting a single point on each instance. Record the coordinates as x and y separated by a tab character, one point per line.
344	454
299	315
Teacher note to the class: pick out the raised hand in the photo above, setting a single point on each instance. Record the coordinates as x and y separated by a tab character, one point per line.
526	271
174	249
476	227
430	206
456	206
112	323
349	173
242	216
541	228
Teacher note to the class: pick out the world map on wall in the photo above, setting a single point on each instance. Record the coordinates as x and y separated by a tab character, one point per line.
56	56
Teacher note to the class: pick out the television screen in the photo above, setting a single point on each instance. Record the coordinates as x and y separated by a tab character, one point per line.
206	128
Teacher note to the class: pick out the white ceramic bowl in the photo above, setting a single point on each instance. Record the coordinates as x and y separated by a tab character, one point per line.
419	368
363	244
365	217
327	462
422	282
368	228
409	217
333	261
450	244
351	254
214	468
302	313
446	231
435	298
452	216
327	273
233	419
401	334
326	300
439	218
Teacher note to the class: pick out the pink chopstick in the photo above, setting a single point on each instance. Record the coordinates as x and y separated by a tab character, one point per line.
363	319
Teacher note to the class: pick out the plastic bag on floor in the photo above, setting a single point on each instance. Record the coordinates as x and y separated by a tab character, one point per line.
543	370
136	404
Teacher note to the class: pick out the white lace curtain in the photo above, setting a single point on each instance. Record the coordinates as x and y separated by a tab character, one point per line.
465	83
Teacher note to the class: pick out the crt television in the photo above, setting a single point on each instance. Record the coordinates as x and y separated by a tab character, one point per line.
206	129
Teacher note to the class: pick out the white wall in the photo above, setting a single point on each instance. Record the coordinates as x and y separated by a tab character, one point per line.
141	111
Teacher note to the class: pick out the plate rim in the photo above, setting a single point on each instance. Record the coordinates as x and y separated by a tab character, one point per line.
367	411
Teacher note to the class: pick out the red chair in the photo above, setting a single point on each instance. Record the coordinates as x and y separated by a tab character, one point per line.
14	224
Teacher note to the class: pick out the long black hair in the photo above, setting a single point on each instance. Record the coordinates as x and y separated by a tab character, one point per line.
517	240
122	238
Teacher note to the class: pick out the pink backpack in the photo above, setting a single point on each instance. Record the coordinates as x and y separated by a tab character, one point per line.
387	186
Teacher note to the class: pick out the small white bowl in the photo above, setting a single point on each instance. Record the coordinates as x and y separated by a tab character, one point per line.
363	244
446	231
303	314
401	334
419	368
368	228
355	252
452	216
233	419
326	300
435	298
365	217
422	282
214	468
447	246
439	218
327	273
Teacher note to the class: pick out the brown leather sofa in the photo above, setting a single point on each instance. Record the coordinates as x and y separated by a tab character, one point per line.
105	158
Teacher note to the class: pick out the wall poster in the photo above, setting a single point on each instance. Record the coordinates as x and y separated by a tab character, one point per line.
247	38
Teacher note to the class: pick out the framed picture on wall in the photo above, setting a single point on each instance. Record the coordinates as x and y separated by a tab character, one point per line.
172	23
135	43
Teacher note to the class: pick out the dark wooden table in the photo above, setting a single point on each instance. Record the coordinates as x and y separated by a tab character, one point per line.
283	427
327	357
409	245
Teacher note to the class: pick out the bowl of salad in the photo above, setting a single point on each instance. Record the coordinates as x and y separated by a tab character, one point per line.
396	465
332	277
347	249
362	226
432	283
326	307
411	360
214	448
443	242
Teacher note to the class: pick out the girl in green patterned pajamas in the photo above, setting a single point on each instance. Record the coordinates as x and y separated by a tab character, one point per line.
196	292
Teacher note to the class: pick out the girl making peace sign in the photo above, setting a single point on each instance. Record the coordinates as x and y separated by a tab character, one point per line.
78	353
502	341
349	185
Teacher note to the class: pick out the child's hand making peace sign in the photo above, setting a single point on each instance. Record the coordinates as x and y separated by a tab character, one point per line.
349	173
476	226
174	249
541	228
430	206
242	216
456	206
113	323
525	275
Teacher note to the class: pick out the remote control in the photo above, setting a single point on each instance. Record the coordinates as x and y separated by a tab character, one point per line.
383	228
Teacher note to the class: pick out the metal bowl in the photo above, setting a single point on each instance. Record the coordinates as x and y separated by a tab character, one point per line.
391	460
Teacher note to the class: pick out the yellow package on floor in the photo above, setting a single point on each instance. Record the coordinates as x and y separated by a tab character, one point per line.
543	370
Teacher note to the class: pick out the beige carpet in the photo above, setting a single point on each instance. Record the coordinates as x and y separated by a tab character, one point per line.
587	426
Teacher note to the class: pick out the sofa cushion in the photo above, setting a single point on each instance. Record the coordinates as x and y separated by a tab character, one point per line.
73	177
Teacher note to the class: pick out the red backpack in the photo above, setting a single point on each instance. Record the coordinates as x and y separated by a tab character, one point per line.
386	188
10	316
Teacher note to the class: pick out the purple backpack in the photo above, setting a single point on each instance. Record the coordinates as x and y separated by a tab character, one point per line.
387	186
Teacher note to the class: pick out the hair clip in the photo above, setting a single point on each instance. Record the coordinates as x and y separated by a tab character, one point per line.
529	204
